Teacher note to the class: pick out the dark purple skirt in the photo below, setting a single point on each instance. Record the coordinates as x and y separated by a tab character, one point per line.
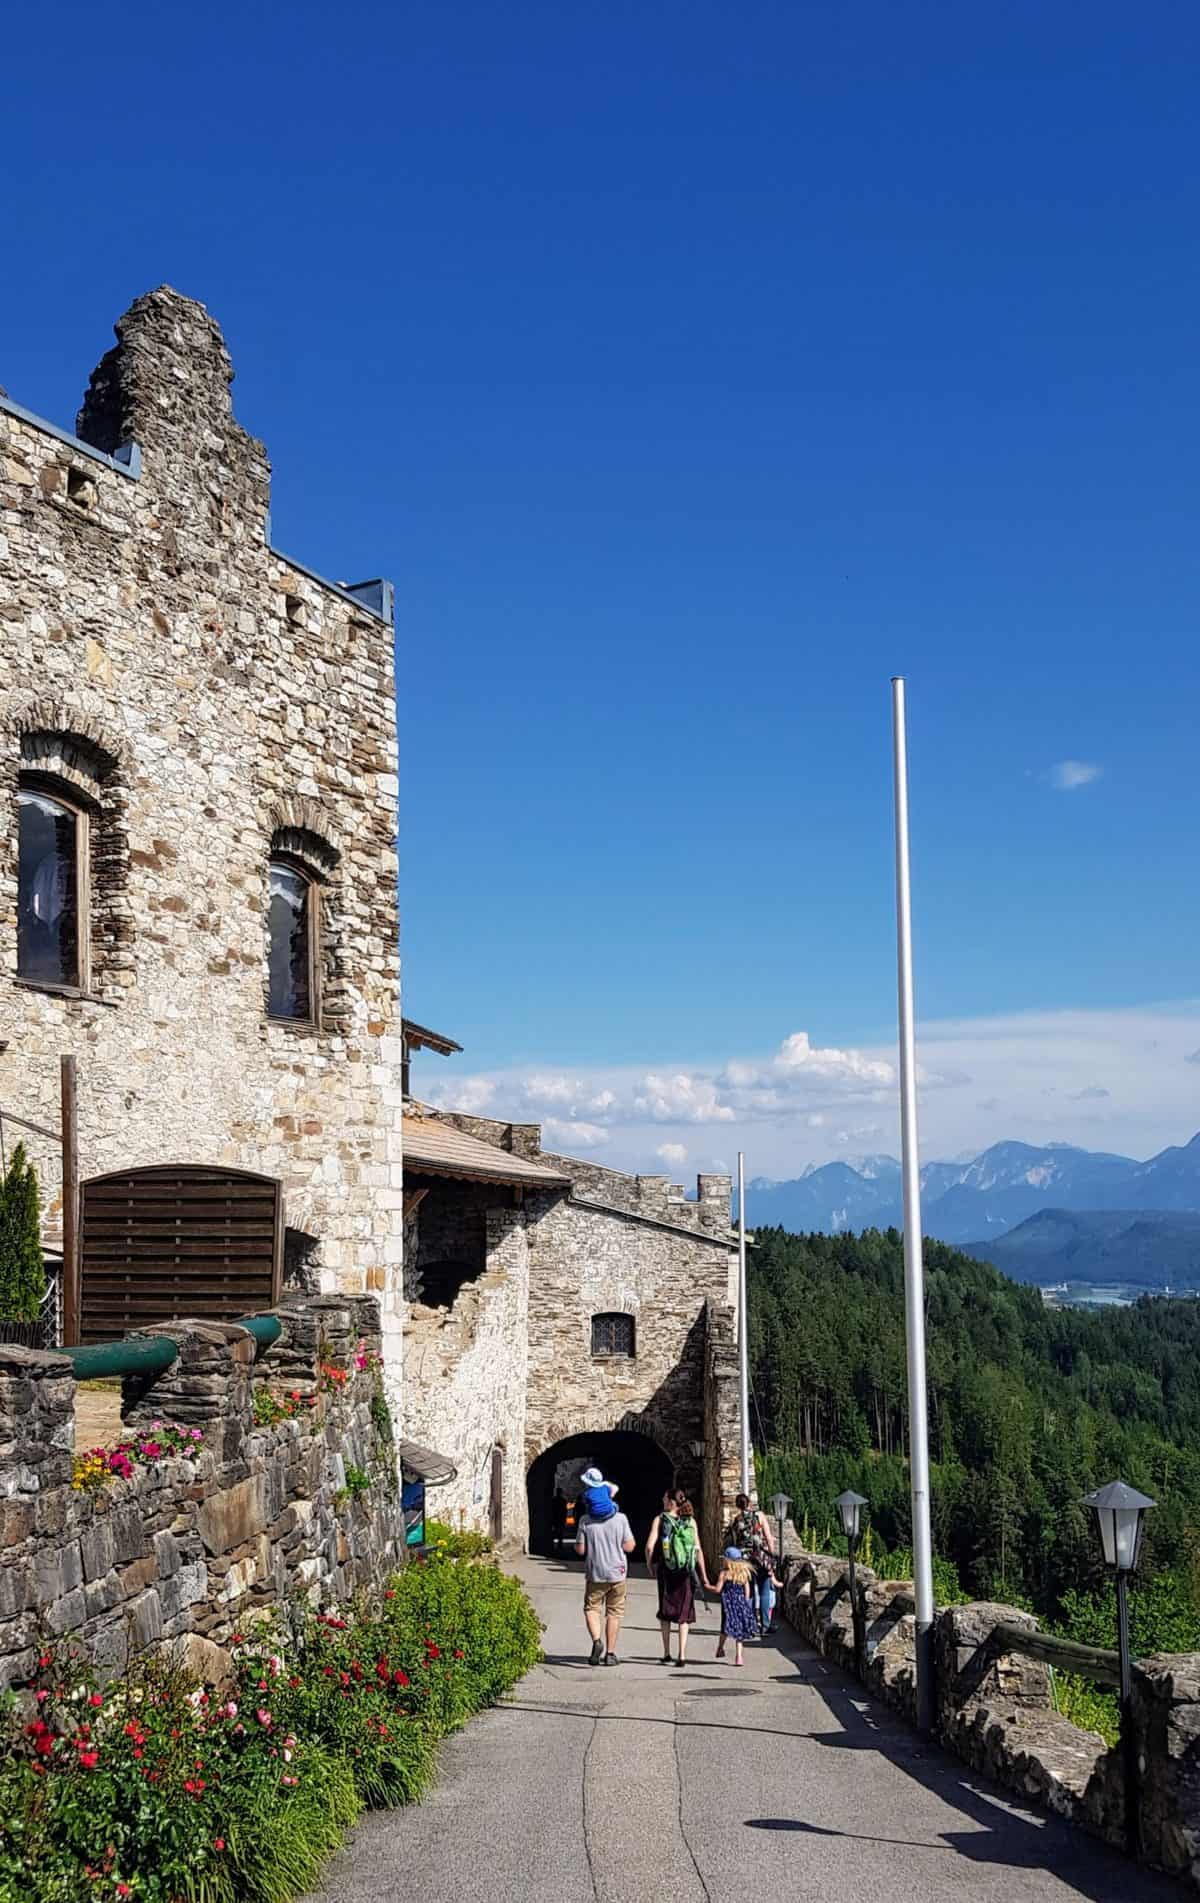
676	1596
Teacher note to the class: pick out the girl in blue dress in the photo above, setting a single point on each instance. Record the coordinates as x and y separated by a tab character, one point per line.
735	1583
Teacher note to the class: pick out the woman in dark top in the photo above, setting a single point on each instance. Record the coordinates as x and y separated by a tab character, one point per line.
673	1537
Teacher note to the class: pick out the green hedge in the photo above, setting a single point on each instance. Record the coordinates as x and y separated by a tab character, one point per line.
158	1791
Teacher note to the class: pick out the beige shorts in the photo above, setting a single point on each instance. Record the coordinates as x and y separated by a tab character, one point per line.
606	1595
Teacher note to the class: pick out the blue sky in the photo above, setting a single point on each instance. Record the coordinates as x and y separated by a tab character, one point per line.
692	370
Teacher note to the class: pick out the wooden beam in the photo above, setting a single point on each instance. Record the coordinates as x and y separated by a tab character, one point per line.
70	1204
1066	1655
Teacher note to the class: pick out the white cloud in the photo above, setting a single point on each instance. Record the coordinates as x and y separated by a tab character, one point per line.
672	1152
1068	775
1032	1076
473	1095
568	1134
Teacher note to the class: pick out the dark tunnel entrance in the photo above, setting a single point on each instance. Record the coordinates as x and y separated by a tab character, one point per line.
634	1462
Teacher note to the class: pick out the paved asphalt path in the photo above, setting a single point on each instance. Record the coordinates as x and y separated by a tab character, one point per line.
642	1784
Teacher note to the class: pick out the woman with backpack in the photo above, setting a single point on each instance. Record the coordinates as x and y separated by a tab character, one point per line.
751	1532
675	1539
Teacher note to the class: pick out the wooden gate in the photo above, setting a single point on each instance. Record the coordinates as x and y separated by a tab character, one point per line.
181	1240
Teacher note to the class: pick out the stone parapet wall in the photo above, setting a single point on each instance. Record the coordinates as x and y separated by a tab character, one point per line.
995	1709
186	1551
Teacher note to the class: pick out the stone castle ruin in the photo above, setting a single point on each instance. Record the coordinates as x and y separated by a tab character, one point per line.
198	866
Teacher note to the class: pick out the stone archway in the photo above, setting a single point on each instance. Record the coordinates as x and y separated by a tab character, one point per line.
630	1456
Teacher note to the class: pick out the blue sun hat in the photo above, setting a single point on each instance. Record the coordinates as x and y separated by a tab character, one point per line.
733	1552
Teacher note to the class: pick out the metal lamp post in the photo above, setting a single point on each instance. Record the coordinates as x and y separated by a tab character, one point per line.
1121	1511
850	1506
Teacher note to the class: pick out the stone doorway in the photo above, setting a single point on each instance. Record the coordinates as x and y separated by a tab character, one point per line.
638	1465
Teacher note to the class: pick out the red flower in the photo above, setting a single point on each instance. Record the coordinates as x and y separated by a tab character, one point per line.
96	1699
434	1651
218	1843
46	1658
89	1759
460	1655
123	1889
401	1678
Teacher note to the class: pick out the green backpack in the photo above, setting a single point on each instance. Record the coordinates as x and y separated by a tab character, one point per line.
679	1544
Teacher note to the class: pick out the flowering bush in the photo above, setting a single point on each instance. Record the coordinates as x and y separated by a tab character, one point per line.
163	1441
445	1542
157	1790
270	1408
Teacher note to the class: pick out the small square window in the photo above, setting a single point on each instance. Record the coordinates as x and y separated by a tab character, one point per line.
81	488
613	1335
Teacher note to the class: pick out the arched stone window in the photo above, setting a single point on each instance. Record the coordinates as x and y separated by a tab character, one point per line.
299	948
613	1335
66	854
52	888
293	921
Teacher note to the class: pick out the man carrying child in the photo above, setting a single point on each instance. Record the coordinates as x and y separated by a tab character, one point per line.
605	1541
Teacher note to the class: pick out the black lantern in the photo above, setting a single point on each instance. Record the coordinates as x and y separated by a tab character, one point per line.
850	1506
1121	1512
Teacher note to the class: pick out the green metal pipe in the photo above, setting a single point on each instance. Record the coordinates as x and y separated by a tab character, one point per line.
153	1354
145	1354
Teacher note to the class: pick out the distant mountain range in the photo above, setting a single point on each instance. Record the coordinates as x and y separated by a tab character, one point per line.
1145	1248
982	1200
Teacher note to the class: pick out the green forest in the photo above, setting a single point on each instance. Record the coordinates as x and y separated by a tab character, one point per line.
1029	1407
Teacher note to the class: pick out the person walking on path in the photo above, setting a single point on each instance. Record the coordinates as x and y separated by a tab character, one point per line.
604	1545
735	1584
750	1533
674	1538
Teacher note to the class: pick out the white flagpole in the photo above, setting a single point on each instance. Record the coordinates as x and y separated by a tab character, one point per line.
743	1325
914	1274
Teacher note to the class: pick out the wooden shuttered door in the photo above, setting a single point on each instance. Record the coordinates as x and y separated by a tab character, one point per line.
161	1244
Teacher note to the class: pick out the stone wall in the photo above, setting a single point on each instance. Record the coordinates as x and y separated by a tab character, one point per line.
465	1375
995	1709
202	696
184	1552
722	1471
510	1364
586	1261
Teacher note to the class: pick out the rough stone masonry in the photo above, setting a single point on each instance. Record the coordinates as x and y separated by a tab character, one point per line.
205	701
185	1551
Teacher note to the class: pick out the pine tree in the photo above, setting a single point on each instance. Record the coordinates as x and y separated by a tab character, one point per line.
22	1265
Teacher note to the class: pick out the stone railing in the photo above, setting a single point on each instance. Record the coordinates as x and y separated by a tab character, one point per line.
185	1551
995	1708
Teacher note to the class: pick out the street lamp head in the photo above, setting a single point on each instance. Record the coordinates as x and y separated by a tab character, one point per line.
850	1506
1121	1511
780	1502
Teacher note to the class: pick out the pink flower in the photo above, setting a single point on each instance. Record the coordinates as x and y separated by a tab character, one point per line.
264	1717
289	1780
195	1433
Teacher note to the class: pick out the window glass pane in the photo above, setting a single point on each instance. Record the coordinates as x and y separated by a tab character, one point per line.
612	1335
47	894
289	923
